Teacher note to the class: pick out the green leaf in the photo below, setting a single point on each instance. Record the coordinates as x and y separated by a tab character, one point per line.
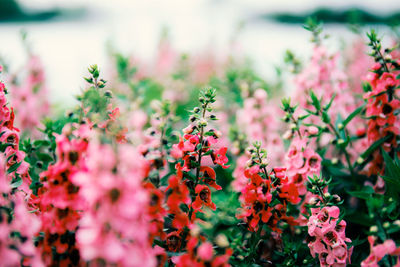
374	146
39	143
325	117
352	115
363	194
392	170
327	107
45	157
14	167
315	101
392	175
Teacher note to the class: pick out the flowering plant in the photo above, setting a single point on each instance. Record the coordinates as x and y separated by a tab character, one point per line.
122	180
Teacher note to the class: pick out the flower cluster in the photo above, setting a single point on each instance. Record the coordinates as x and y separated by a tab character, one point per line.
188	193
59	203
266	196
327	237
115	184
18	225
18	173
326	229
382	105
115	226
258	119
301	162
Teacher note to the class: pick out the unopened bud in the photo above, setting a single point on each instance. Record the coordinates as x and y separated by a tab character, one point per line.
373	229
388	57
217	134
360	160
397	223
386	225
340	126
312	130
202	122
336	198
188	130
313	201
334	161
195	231
222	241
287	135
264	162
314	188
327	195
249	163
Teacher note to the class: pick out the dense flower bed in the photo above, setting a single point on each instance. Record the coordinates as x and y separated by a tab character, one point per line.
199	162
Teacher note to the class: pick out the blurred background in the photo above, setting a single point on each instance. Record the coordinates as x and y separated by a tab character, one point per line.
69	35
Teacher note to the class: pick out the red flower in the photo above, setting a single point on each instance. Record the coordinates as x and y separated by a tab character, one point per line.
203	197
174	241
179	194
219	157
208	176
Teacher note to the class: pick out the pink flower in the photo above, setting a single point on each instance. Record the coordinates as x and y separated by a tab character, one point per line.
205	251
377	252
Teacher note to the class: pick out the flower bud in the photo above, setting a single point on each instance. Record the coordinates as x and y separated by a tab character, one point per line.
313	201
287	135
202	122
188	130
386	225
373	229
336	198
312	130
360	160
334	161
249	163
195	231
222	241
